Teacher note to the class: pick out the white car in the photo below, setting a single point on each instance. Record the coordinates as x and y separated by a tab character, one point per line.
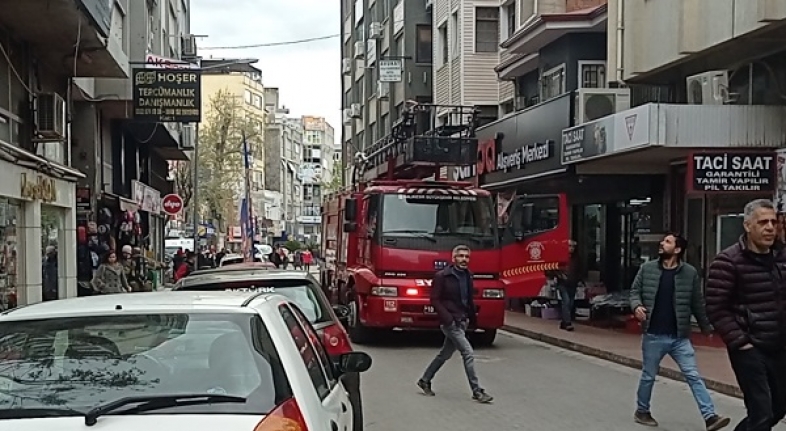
196	361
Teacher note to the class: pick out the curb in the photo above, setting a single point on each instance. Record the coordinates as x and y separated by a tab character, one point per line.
717	386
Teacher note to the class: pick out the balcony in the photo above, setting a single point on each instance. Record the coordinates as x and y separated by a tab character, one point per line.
53	28
547	28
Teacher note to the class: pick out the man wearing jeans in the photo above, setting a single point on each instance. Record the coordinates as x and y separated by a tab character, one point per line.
665	294
451	296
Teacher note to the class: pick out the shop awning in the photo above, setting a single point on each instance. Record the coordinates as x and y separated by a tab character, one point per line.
30	160
652	135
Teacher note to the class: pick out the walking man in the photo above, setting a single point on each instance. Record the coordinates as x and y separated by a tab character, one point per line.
451	297
665	294
746	298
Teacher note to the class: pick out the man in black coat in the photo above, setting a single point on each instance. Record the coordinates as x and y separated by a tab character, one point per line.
746	303
451	297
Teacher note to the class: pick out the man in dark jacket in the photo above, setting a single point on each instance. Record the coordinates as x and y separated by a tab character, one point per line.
451	296
746	302
665	294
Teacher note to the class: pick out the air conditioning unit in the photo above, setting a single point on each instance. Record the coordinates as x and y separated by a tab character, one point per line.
347	117
50	116
708	88
356	110
375	30
346	66
383	90
360	49
595	103
187	137
188	46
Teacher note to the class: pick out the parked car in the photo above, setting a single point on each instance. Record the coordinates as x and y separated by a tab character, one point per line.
159	361
300	287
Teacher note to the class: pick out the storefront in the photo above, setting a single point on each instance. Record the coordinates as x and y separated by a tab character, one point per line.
37	230
693	171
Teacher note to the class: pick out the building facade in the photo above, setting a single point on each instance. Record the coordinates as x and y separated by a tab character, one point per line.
386	58
283	156
316	173
707	91
41	161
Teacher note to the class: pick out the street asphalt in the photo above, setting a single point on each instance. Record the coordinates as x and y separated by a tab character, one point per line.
536	387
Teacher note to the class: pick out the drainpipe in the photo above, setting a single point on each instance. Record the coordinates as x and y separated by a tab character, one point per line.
620	40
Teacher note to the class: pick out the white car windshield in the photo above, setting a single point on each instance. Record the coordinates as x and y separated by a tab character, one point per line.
74	364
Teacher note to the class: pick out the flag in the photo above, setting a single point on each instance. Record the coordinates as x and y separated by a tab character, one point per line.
245	207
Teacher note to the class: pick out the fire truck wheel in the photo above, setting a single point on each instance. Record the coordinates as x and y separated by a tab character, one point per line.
485	338
357	331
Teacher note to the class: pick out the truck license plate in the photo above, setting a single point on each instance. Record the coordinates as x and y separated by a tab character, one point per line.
428	309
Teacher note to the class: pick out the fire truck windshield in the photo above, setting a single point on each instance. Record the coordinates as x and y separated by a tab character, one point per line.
438	215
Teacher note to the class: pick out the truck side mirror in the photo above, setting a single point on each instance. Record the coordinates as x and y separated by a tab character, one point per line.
350	209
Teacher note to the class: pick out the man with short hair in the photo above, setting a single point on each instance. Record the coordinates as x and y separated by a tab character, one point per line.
746	302
665	294
451	296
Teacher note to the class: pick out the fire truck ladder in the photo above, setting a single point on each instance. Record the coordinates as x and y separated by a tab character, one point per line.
417	146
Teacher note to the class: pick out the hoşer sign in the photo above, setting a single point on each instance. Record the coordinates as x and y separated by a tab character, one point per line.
167	96
732	172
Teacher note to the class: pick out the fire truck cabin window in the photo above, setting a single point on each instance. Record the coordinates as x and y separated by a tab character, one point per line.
437	215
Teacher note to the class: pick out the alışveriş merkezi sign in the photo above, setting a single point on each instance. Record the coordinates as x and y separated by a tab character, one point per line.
167	95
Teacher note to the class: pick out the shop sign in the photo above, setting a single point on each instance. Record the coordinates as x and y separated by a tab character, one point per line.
732	171
172	204
147	198
167	95
42	189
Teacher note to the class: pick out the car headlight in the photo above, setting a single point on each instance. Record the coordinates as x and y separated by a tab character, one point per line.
493	293
384	291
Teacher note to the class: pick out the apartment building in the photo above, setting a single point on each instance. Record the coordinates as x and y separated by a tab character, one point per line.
316	172
386	58
283	157
705	82
44	45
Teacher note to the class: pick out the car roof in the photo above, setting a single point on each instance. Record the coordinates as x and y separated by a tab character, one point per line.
243	266
244	274
142	302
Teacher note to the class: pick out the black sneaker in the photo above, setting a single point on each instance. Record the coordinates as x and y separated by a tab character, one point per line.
645	418
717	422
482	397
425	387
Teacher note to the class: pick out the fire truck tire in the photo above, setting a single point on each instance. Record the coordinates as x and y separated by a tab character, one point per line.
358	333
485	338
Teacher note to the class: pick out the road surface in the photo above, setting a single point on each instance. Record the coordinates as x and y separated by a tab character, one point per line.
536	388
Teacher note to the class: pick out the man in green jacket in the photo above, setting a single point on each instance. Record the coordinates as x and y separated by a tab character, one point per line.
665	294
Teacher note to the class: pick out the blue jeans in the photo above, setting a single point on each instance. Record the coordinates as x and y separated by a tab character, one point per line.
568	302
455	339
654	348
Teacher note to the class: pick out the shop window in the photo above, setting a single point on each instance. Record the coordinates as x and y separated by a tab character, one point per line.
10	212
51	267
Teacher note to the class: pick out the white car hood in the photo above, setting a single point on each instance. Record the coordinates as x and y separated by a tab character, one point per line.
150	422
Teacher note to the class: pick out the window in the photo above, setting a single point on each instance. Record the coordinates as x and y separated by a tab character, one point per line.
438	215
249	97
535	215
486	29
443	44
454	36
315	341
510	12
307	352
553	83
424	48
9	259
592	74
82	362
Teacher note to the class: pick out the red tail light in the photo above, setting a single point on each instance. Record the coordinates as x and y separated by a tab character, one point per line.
286	416
336	340
412	292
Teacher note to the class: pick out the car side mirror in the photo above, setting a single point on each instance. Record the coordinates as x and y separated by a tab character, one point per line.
354	362
342	312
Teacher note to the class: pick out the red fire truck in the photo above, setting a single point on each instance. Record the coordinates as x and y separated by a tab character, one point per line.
384	238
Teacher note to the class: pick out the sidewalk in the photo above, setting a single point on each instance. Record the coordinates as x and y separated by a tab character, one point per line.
625	349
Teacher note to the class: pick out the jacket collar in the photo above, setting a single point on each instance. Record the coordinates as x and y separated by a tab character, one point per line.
776	248
454	271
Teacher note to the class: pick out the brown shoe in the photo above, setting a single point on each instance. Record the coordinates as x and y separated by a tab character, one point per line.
645	418
717	422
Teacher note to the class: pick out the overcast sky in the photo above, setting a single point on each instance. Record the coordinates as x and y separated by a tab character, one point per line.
308	75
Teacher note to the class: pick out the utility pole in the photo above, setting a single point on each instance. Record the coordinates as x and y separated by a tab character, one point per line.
195	187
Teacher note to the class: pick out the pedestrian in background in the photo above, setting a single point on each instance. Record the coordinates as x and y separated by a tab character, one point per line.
665	294
451	296
568	284
746	302
110	277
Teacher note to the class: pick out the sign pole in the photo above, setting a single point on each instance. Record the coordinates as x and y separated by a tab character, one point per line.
195	187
